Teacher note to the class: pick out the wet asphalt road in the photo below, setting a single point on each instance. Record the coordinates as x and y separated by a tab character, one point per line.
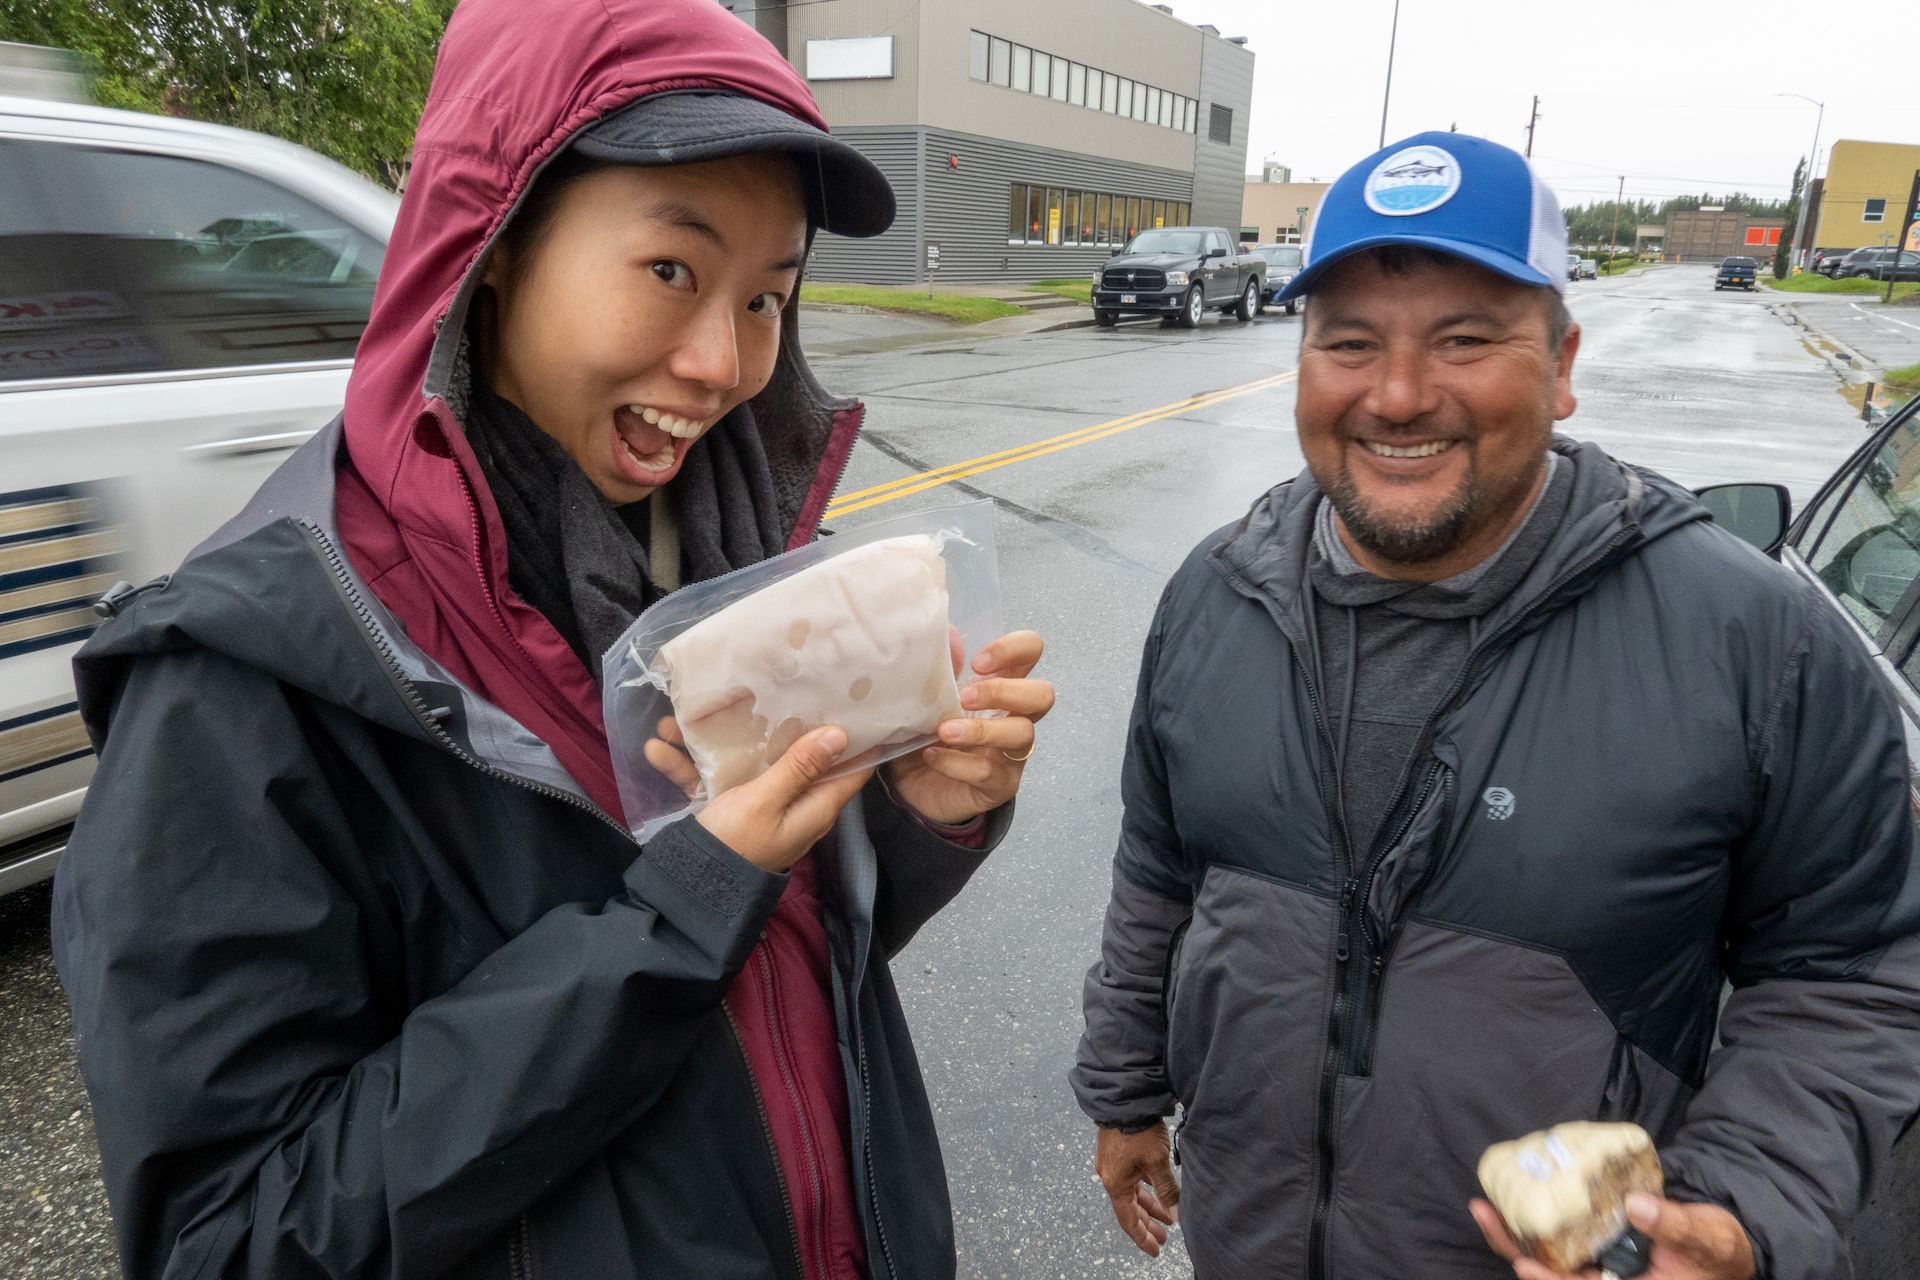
1704	386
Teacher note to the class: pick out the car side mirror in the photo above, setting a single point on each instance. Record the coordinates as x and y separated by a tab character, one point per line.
1213	253
1757	514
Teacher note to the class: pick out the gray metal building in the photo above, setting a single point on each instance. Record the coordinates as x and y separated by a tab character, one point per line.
1025	140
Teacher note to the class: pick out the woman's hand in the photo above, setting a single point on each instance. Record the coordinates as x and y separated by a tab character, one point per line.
773	820
978	764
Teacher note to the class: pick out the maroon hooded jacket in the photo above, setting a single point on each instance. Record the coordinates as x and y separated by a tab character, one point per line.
513	83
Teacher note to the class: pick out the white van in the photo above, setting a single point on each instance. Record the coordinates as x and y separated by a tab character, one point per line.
153	370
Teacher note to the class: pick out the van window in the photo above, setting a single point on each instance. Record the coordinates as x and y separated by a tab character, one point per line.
122	262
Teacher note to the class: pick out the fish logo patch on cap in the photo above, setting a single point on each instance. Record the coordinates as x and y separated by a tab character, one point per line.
1412	180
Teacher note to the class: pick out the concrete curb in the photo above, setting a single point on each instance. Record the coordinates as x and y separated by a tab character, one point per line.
1845	364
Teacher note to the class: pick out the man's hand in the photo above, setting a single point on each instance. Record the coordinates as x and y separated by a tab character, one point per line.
773	820
1690	1241
1136	1170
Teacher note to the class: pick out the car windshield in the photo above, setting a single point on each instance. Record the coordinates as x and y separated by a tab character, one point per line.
1287	256
1739	262
1166	241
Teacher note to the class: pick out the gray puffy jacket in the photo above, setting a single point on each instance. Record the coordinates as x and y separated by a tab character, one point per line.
1667	764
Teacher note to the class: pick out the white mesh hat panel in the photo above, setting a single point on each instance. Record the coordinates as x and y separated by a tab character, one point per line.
1547	239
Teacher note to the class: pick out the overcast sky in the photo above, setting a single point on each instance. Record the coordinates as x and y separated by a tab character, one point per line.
1682	102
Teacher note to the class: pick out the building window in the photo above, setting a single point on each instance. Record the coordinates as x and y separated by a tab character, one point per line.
1186	214
1070	219
1159	213
1153	106
999	62
1102	214
1126	96
1023	69
1042	72
1053	215
1060	66
1110	94
1036	215
1220	124
1086	218
1141	93
1166	111
977	56
1077	85
1017	213
1095	87
1133	217
1876	211
1193	115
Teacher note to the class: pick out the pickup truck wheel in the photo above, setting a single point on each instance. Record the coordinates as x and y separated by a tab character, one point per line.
1292	307
1249	302
1192	309
1104	319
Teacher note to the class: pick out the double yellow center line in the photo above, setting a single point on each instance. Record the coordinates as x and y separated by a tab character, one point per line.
906	486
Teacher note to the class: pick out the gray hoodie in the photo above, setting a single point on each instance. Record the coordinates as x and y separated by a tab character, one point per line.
1665	765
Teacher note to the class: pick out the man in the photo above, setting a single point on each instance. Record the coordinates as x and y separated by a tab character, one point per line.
1463	770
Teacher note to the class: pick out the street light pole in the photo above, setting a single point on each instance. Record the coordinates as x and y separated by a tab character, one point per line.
1387	96
1613	236
1806	185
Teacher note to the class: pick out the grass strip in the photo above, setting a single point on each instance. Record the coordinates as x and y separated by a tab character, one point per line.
1813	282
1076	290
963	308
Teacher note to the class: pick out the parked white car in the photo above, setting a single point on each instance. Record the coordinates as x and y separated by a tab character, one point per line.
179	305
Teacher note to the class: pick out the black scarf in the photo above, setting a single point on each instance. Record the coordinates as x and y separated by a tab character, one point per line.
582	561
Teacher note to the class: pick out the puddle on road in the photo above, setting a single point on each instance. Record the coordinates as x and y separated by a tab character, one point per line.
1884	401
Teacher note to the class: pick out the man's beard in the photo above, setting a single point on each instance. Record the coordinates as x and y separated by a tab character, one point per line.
1407	541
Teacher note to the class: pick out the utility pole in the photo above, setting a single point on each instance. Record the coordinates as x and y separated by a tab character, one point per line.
1387	96
1613	237
1531	121
1800	249
1900	240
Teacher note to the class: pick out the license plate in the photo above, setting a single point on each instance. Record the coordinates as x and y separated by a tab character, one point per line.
1128	297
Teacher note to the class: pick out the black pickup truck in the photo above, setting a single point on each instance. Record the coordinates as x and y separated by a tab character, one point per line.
1737	273
1177	273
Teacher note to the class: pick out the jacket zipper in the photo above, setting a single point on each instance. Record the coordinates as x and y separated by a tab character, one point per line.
1383	956
866	1146
422	714
773	1150
808	1149
520	1251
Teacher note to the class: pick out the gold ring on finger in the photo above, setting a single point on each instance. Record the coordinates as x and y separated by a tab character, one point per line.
1023	757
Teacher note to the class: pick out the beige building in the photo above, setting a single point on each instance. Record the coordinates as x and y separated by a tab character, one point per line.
1024	140
1862	201
1279	212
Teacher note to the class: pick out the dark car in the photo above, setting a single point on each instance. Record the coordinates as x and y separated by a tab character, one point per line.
1178	273
1737	273
1825	260
1283	264
1878	264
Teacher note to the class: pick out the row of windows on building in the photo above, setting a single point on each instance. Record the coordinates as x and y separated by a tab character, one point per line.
1015	66
1053	215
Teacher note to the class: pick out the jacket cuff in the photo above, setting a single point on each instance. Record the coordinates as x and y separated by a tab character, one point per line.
705	890
1690	1179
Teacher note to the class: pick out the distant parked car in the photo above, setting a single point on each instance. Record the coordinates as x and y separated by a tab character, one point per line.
1737	273
1589	269
1283	263
179	305
1825	260
1878	264
1573	266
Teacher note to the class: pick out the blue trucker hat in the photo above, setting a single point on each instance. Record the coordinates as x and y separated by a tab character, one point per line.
1447	192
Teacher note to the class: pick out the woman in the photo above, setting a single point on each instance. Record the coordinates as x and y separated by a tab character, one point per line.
367	978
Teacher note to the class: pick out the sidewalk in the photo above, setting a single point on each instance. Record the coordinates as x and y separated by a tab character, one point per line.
1043	313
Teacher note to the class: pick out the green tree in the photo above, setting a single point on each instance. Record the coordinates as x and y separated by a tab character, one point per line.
344	77
1791	215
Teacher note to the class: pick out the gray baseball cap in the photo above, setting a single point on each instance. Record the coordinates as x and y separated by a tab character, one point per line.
846	192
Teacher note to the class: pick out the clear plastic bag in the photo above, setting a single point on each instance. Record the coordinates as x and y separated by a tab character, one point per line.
863	630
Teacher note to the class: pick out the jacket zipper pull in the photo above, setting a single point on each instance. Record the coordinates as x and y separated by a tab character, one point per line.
1340	946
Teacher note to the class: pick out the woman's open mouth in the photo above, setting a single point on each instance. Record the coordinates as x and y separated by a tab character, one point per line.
649	444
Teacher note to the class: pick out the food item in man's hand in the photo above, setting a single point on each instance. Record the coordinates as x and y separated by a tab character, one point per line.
858	640
1563	1191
